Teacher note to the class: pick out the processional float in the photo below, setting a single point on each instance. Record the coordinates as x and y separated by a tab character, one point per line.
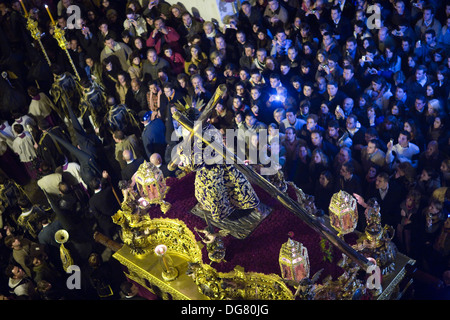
316	223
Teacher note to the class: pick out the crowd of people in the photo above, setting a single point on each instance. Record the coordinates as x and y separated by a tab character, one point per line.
353	94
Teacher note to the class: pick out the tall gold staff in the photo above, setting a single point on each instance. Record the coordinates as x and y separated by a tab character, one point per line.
58	34
32	26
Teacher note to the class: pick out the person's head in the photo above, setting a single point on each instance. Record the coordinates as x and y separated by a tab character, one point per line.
372	171
409	126
255	92
291	115
250	119
15	272
13	241
434	107
292	53
351	122
372	146
351	44
187	19
135	85
403	138
326	178
285	67
324	108
333	128
336	12
400	92
428	13
303	151
413	199
316	138
428	173
348	72
156	159
274	80
319	157
344	155
280	36
347	170
168	89
321	84
246	8
279	114
110	42
152	56
332	88
421	73
311	122
348	104
445	166
290	134
382	33
327	38
382	181
305	107
197	81
432	148
273	5
220	42
420	103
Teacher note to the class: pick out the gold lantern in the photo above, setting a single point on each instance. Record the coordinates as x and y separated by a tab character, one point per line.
343	212
151	186
294	261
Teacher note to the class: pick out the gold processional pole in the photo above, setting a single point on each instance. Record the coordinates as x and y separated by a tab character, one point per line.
32	26
62	42
287	202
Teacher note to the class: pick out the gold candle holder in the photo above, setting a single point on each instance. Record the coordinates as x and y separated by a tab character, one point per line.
169	271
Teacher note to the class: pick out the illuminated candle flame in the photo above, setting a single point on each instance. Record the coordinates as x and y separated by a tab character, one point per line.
50	15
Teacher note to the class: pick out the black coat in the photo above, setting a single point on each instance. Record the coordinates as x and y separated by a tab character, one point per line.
390	205
131	168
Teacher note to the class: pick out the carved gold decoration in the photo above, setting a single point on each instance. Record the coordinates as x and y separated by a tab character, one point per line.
186	253
32	26
238	285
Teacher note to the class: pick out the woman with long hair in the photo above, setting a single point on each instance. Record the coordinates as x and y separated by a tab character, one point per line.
140	46
416	136
135	69
196	57
324	190
319	162
410	212
122	86
110	70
